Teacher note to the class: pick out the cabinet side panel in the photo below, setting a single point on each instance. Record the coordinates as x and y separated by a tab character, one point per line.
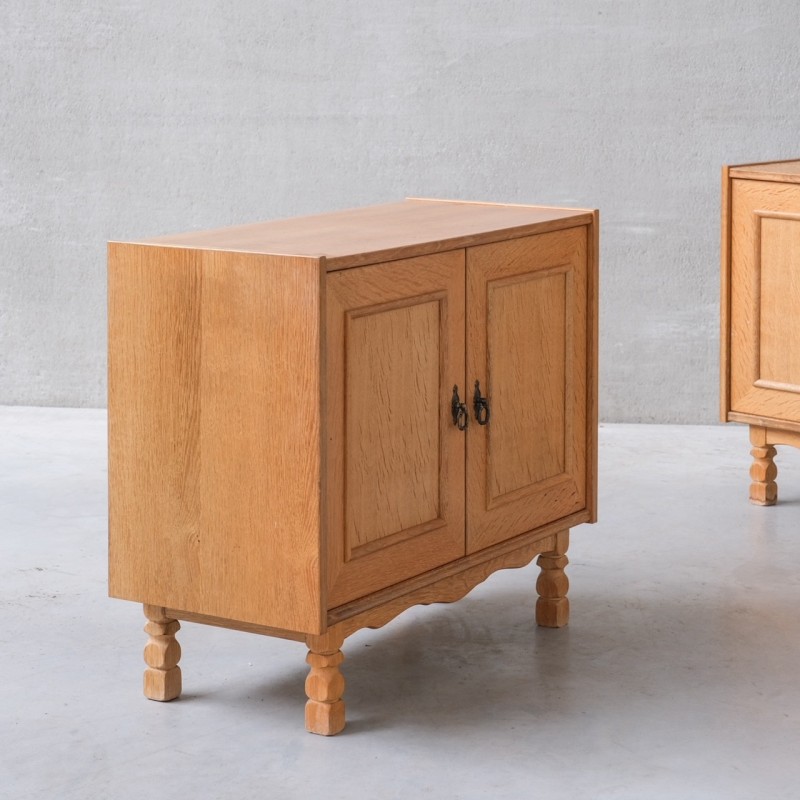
239	538
154	340
592	362
725	299
260	439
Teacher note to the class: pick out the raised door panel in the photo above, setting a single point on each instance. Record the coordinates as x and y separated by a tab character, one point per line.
765	299
395	459
527	333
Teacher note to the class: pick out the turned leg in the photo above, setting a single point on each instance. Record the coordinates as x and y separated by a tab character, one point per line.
763	489
162	678
325	683
552	606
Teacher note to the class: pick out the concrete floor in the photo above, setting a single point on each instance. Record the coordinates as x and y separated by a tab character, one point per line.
677	677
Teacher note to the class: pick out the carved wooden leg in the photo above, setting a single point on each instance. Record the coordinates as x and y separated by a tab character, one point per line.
763	489
325	683
162	678
552	607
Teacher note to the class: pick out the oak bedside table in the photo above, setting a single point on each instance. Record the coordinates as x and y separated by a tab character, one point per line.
760	360
319	422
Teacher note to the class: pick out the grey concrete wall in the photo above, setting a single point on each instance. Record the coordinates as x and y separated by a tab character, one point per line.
127	120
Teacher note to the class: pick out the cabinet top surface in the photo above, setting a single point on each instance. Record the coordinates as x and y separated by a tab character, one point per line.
770	170
391	230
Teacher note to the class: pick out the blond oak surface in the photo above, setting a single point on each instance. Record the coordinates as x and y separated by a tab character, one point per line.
444	584
214	434
447	587
785	171
773	437
764	296
552	605
395	460
725	297
529	335
780	300
162	678
325	709
361	236
760	324
392	421
763	489
592	365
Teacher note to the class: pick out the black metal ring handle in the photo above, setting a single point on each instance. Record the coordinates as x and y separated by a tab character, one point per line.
480	405
459	411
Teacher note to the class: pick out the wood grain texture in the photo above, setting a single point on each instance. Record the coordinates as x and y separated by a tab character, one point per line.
767	422
765	221
162	678
725	298
419	584
760	362
325	709
395	461
235	625
530	343
779	320
386	232
592	364
763	470
785	171
552	606
527	323
773	436
450	588
763	489
393	421
214	434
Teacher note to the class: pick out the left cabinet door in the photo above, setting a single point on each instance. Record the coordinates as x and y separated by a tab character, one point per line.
395	460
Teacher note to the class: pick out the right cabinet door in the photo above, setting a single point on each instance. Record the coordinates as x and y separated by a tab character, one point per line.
527	306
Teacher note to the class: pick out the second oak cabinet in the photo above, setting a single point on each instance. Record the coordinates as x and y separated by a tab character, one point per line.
316	423
760	358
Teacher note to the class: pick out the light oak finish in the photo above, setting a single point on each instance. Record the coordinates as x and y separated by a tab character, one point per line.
283	457
552	606
214	433
162	678
763	489
527	345
787	171
325	683
760	360
446	584
396	486
444	587
373	234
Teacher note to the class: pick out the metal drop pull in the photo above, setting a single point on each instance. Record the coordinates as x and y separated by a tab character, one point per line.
459	411
480	405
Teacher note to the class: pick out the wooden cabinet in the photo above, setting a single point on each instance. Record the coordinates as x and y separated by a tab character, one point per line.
316	423
760	374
